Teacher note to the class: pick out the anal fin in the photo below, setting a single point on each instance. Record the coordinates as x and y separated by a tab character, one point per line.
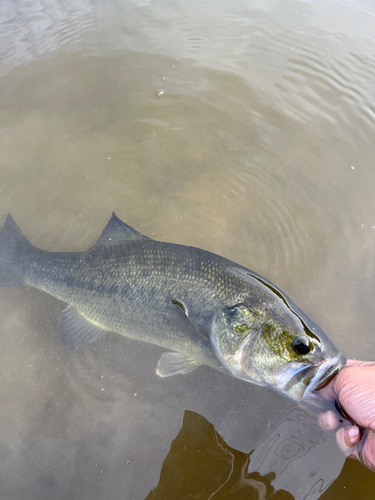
77	331
174	363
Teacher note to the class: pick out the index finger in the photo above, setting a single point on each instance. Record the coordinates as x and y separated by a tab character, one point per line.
356	362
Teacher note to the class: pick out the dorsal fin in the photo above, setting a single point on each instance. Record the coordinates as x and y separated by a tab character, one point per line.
116	231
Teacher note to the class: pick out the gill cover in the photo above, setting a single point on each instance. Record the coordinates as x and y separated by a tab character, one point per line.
231	332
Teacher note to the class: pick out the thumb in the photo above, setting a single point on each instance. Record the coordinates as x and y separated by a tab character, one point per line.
351	436
347	439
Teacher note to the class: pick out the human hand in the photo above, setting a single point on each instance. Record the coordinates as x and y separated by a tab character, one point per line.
354	388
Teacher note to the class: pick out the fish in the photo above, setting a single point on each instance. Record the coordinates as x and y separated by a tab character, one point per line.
203	308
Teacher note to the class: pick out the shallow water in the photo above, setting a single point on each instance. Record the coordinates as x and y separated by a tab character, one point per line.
242	128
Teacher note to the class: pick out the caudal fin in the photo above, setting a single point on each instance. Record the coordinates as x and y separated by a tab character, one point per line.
14	248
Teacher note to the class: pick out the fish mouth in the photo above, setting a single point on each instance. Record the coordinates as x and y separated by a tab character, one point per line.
326	372
300	381
326	378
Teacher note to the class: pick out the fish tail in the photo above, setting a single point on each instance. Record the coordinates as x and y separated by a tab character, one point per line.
14	247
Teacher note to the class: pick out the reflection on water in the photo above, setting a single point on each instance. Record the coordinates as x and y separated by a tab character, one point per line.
298	453
200	464
245	128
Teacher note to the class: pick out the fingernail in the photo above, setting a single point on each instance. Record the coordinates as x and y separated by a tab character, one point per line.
353	433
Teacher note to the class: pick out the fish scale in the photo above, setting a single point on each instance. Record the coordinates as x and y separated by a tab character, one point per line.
203	307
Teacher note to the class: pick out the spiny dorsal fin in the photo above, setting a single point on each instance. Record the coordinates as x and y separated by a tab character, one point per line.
116	231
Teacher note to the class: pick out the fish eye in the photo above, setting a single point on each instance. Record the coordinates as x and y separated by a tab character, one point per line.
301	345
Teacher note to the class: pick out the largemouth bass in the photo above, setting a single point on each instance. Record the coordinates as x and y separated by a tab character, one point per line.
205	308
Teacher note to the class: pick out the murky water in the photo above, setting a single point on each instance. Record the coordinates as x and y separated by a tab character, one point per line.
245	128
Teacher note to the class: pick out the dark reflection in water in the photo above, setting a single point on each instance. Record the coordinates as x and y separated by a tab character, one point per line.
200	464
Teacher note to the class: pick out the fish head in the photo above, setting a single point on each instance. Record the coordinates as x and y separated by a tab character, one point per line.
270	342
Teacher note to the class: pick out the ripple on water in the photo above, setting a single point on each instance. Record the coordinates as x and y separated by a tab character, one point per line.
282	219
312	87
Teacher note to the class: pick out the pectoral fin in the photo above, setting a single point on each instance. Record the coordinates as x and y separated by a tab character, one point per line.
174	363
77	331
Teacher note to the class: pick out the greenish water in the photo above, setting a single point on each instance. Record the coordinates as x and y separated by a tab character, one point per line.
242	128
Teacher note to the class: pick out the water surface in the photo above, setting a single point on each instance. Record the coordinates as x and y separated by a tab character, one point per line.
244	128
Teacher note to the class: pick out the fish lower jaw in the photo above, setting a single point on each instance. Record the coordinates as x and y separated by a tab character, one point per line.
299	381
326	373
